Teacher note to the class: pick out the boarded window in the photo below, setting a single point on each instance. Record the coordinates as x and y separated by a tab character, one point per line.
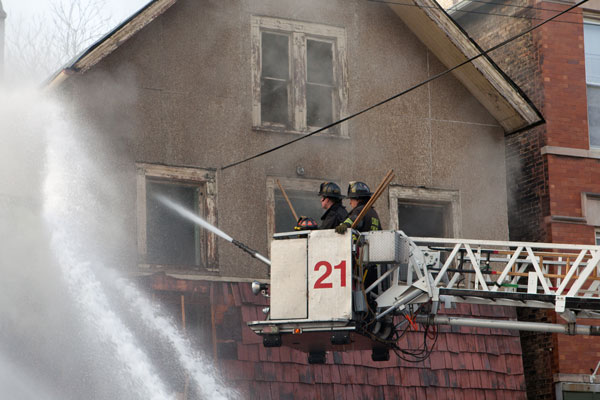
171	238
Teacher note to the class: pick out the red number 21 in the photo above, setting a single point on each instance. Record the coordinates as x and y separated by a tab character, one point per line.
319	284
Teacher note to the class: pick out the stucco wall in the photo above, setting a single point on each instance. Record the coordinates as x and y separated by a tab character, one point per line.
183	89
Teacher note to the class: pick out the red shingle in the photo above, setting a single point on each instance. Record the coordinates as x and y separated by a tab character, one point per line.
514	365
237	297
275	393
290	373
249	337
463	378
477	361
339	392
452	379
335	374
497	363
491	343
468	361
437	360
474	379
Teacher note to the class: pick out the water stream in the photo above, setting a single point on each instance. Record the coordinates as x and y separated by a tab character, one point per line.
66	332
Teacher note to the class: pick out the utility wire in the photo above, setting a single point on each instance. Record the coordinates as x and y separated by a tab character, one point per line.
418	85
492	3
480	12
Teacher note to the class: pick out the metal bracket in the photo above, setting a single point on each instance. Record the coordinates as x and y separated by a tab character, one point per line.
559	304
568	316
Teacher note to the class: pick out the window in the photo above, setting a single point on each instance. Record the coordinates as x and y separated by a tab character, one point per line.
591	32
424	212
299	74
165	238
597	234
303	194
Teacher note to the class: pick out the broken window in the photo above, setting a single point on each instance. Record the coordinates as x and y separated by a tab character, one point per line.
305	204
302	193
299	75
592	73
165	238
171	238
422	220
275	80
423	212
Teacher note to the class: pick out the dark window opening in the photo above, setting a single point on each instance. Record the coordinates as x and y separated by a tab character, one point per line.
319	83
305	204
423	220
275	79
170	238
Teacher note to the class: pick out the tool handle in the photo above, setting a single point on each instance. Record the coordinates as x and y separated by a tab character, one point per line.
288	201
380	189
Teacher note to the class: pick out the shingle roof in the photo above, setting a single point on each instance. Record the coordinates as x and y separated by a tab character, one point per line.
467	363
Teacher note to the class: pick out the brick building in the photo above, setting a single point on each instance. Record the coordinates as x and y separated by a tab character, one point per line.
553	169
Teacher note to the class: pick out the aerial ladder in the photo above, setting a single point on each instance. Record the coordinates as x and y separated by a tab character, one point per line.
359	291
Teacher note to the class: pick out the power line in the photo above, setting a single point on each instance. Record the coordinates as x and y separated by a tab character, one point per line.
482	12
485	52
496	4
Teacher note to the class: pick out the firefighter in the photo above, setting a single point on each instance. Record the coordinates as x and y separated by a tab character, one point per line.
331	201
306	224
359	194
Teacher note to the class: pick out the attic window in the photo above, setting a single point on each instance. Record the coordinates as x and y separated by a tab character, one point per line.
299	75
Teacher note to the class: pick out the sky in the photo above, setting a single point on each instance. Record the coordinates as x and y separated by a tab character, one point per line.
120	9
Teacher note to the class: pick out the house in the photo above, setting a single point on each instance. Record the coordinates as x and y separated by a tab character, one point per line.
184	89
553	168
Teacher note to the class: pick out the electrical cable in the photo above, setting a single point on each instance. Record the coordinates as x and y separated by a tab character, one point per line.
496	4
418	85
452	9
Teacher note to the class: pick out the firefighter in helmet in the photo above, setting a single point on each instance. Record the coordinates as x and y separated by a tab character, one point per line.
306	224
331	201
359	194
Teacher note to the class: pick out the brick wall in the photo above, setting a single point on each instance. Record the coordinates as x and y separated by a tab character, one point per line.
548	64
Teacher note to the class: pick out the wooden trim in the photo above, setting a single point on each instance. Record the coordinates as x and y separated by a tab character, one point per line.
426	196
299	32
497	93
206	179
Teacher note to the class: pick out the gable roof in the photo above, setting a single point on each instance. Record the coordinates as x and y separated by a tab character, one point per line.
112	40
482	77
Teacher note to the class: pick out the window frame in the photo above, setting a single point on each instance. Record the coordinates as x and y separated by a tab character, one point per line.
298	184
203	178
589	20
449	199
298	33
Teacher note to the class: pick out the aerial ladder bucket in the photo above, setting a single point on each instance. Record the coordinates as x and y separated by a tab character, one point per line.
332	292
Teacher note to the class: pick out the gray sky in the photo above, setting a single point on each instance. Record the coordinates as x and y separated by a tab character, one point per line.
120	9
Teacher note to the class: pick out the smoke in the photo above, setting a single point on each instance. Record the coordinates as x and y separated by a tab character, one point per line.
68	331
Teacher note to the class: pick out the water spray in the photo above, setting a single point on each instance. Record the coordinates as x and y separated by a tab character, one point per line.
184	212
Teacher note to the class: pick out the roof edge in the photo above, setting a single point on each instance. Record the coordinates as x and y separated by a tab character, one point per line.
482	77
111	41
